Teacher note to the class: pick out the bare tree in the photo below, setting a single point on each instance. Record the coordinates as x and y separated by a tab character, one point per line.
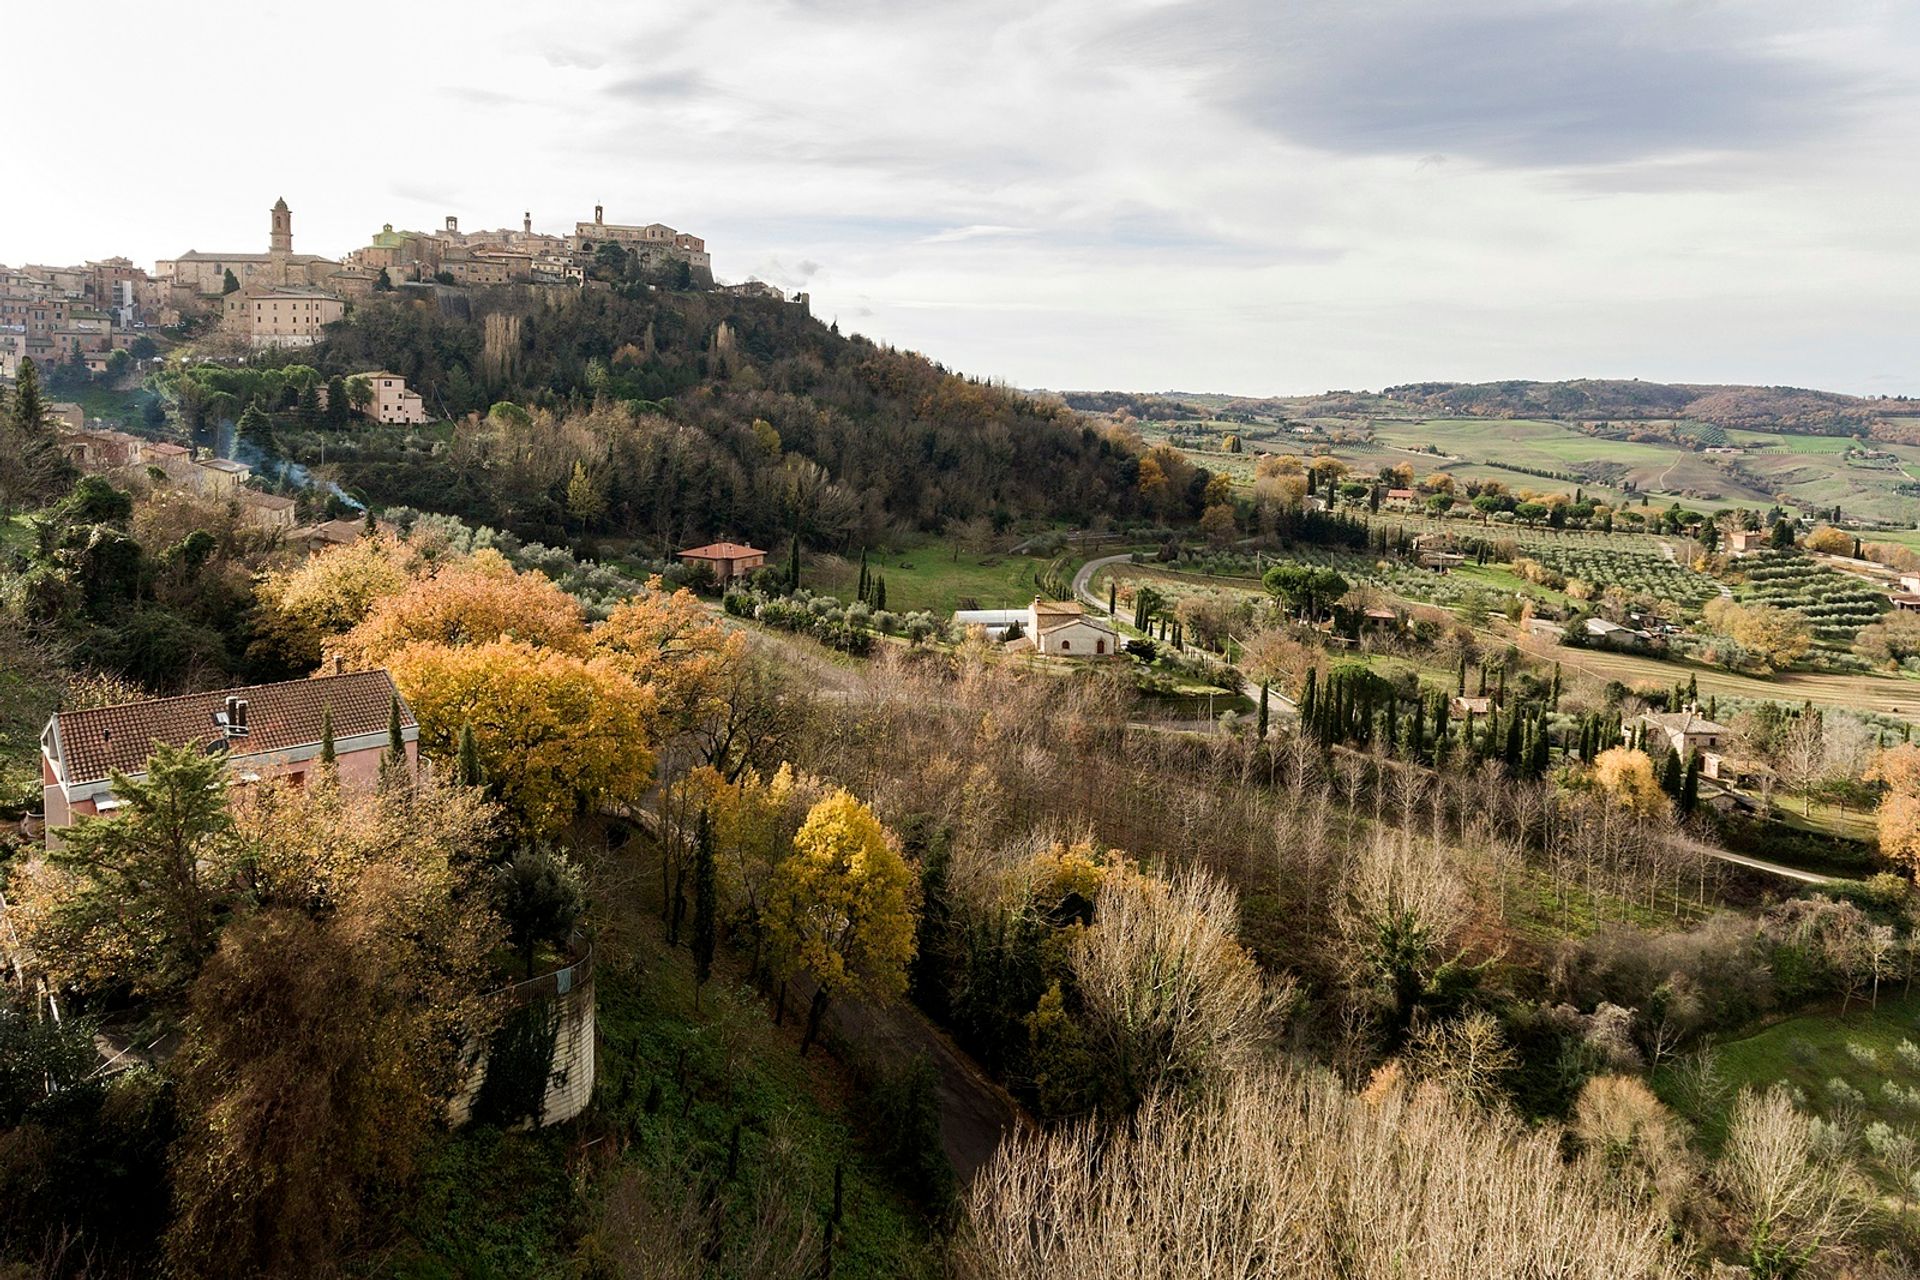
1793	1200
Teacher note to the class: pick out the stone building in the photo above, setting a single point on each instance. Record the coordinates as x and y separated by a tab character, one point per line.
656	244
195	274
282	316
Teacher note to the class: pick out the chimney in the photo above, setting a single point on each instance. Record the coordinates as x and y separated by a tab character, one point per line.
597	218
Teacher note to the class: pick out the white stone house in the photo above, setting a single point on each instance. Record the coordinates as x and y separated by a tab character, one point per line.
1055	628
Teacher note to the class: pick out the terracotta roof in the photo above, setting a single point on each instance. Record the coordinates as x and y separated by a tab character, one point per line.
723	551
271	501
280	717
1400	493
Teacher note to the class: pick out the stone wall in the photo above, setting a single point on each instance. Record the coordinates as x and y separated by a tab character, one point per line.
568	996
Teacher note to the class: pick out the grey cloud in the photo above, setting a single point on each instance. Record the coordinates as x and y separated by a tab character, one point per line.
1536	86
661	86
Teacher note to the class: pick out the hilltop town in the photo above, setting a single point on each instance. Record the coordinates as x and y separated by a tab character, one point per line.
82	315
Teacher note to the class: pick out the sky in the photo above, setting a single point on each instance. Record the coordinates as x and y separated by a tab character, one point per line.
1265	197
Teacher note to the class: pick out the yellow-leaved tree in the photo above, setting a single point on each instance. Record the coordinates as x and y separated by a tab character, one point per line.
1626	776
553	732
841	908
468	601
1899	769
299	610
670	641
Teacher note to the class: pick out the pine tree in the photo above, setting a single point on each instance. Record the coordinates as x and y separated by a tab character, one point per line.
705	896
327	755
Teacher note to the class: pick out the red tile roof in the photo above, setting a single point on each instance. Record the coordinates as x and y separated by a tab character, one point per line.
280	717
723	551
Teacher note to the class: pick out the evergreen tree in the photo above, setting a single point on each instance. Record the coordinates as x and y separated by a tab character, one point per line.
1308	698
866	583
1690	788
230	283
1512	754
880	592
793	563
1263	711
29	415
1554	697
1670	774
327	754
1113	598
470	773
1460	689
705	898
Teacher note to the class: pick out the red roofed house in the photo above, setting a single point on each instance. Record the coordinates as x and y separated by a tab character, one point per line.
728	560
1401	497
265	731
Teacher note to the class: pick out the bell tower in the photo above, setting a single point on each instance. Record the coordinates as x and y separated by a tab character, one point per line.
282	238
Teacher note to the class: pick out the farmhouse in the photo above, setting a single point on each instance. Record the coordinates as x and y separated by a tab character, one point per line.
1063	628
1614	636
1054	627
1745	541
1684	731
728	560
266	730
1459	708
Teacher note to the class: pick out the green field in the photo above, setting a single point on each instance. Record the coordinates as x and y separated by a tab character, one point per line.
938	576
1818	471
1855	1063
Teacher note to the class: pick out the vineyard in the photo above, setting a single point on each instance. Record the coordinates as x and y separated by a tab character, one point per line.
1836	604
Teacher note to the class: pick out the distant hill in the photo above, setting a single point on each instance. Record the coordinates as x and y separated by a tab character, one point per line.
1790	409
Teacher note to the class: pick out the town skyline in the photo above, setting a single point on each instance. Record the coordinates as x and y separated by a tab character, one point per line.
1100	197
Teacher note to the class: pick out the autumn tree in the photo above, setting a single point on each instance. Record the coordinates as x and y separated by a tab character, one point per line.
298	610
841	908
552	732
1627	778
1403	912
138	898
1898	770
671	643
1777	637
468	601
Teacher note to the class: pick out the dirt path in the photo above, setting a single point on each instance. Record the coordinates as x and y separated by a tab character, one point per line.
975	1113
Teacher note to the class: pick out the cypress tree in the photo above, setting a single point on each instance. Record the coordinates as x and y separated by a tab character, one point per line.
1307	696
880	592
1263	711
469	758
1113	598
327	755
865	582
793	563
705	897
29	409
1542	749
1461	687
396	740
1512	754
1690	789
1670	777
1556	686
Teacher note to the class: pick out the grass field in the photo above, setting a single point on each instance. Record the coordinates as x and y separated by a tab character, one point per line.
938	576
1821	471
1854	1062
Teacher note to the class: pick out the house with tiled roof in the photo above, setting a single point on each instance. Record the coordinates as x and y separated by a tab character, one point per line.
263	731
728	560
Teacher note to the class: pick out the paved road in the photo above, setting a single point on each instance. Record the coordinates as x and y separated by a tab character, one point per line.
1770	868
1276	701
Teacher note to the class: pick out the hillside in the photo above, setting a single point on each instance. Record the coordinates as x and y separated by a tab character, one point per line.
667	415
1787	409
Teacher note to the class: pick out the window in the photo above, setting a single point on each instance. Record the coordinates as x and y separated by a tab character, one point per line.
1065	645
1099	646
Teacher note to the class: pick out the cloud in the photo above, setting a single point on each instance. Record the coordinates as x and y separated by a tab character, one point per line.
658	86
1535	84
